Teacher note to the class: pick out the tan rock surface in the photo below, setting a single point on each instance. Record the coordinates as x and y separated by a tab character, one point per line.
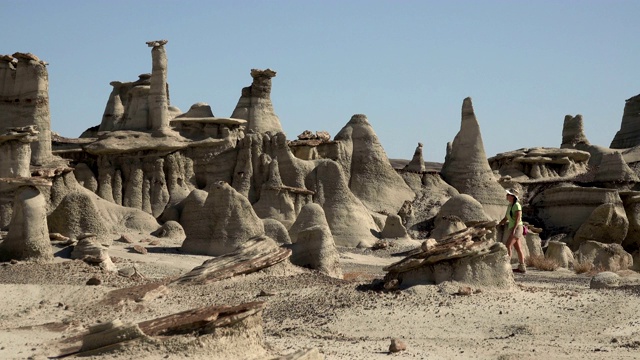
466	167
367	169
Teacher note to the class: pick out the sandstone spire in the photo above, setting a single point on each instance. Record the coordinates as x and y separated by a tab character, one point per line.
417	162
466	167
114	111
629	133
255	104
573	132
158	97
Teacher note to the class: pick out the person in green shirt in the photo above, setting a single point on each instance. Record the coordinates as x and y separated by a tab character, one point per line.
515	229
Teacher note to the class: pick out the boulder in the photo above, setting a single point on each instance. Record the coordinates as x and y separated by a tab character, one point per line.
466	208
607	224
91	252
446	225
316	249
171	230
608	257
393	228
560	253
277	231
605	280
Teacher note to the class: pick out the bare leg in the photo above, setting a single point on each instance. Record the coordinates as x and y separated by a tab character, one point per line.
510	242
518	246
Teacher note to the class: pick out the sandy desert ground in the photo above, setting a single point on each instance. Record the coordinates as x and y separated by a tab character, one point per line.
547	315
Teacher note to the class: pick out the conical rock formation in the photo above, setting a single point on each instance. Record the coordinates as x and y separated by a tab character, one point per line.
369	173
310	215
417	162
466	167
229	221
349	220
613	168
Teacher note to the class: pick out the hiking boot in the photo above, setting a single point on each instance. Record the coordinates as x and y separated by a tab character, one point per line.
522	268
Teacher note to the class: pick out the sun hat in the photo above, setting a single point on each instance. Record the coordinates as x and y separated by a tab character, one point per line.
513	192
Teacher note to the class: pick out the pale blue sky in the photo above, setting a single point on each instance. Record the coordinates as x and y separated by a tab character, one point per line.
407	65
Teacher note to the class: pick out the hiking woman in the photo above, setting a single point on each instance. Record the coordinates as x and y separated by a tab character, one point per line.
515	229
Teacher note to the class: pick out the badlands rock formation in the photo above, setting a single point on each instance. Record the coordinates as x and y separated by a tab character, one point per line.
466	167
227	181
629	134
467	257
24	100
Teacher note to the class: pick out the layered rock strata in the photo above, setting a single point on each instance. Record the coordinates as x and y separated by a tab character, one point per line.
24	100
564	209
629	134
15	151
541	164
614	169
606	224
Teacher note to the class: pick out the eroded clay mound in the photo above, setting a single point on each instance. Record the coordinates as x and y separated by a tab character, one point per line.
28	238
227	220
368	170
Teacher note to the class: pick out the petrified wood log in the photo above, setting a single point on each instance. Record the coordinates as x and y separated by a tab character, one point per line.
203	320
467	256
255	254
115	335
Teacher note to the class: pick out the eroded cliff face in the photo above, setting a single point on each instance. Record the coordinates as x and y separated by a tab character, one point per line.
629	134
24	100
147	160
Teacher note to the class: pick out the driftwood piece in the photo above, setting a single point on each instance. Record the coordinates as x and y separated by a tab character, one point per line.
255	254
